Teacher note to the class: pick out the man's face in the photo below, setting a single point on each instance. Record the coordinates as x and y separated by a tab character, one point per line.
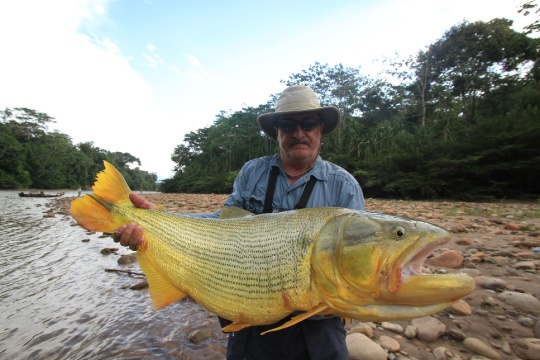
299	145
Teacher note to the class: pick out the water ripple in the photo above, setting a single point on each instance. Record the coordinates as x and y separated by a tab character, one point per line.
59	303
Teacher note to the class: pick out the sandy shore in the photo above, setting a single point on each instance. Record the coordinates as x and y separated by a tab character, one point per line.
496	240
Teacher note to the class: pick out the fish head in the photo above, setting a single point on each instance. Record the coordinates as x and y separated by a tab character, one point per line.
369	267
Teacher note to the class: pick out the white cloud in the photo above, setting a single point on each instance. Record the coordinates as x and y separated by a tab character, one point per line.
152	57
83	81
91	87
197	72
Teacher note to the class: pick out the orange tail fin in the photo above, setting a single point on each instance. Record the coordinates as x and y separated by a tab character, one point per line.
93	212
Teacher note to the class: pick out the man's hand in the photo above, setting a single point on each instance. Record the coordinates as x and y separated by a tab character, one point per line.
131	234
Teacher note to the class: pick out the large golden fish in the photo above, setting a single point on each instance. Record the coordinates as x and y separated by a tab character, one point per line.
257	269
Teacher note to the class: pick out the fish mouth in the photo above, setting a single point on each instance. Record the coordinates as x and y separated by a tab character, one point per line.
410	286
413	265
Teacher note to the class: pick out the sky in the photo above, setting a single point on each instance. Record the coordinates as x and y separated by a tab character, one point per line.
137	75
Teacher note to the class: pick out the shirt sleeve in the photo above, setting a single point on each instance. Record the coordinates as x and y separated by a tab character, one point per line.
353	197
239	185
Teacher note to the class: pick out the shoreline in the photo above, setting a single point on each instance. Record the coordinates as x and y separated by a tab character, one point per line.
499	243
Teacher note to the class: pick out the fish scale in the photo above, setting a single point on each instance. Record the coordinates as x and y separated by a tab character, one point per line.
225	268
256	270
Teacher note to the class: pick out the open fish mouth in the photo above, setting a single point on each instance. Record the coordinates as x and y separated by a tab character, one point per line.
411	286
413	266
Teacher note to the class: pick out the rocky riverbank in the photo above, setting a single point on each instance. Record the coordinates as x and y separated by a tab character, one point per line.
496	243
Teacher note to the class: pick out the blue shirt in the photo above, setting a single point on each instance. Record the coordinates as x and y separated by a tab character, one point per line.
334	187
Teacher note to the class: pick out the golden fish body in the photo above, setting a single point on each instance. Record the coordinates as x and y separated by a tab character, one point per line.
255	270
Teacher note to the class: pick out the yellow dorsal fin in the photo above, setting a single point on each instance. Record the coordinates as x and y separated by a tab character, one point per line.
231	212
161	291
93	211
301	317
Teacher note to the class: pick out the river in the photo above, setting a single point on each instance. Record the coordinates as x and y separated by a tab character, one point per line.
58	302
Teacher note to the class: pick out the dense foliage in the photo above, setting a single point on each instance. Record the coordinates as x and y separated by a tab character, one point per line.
460	119
33	157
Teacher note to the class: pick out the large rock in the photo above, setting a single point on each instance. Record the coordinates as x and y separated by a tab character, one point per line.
429	329
523	301
527	349
362	348
449	259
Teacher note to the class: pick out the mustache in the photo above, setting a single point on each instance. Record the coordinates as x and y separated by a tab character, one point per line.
298	142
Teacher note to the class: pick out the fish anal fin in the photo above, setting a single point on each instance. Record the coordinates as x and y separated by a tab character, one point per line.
162	292
232	212
295	320
234	327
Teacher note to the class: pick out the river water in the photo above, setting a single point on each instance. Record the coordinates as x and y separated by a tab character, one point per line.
58	302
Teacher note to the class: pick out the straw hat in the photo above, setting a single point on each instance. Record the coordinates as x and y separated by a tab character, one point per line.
298	99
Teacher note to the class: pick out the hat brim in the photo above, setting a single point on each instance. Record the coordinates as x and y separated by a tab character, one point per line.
329	117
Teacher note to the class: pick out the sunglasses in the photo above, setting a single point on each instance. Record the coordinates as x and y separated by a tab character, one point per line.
289	126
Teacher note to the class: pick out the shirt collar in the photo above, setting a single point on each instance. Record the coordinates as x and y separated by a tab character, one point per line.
316	171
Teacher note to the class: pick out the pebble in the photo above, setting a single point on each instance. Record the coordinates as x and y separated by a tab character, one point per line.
481	348
488	282
362	329
127	259
140	286
442	353
456	334
525	321
410	332
512	226
389	344
107	251
196	336
461	308
396	328
464	241
525	265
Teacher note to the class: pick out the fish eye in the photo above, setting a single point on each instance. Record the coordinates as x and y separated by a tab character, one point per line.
399	231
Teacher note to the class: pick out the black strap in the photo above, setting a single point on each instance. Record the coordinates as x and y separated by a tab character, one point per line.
272	180
307	193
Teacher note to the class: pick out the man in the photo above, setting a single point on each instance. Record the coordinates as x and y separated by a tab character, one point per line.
296	177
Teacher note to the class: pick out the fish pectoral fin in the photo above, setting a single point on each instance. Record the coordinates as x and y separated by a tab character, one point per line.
232	212
235	327
161	291
298	318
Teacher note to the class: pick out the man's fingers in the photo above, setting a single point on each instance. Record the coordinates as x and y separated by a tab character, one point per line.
140	202
117	234
136	238
126	234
